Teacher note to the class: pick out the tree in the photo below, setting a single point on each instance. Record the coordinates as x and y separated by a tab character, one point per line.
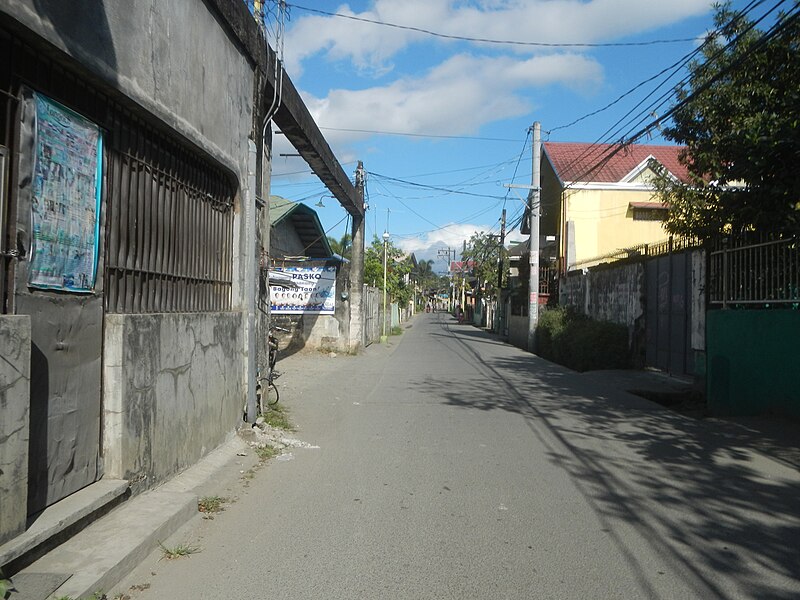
740	120
398	265
483	251
424	275
341	246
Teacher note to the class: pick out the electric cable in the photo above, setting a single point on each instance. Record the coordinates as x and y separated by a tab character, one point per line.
493	41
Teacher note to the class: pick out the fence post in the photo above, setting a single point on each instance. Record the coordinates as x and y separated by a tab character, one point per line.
725	273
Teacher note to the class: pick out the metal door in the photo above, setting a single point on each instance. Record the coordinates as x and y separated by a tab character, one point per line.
66	318
668	313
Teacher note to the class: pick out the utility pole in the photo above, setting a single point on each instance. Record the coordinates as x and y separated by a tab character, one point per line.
463	277
534	208
500	253
357	321
499	308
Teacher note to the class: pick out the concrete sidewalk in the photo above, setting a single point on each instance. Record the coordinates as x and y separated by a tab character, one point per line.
101	554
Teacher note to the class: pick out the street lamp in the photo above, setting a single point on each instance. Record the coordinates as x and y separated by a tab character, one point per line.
385	243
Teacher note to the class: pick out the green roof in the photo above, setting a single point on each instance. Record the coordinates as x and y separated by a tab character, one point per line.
306	223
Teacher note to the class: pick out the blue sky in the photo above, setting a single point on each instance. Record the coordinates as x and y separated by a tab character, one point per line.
467	105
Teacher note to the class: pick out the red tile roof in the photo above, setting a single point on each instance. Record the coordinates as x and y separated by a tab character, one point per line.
590	163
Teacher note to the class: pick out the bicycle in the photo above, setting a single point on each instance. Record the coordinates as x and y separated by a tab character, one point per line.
272	395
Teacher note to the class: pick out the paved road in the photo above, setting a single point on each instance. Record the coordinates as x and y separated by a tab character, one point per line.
451	465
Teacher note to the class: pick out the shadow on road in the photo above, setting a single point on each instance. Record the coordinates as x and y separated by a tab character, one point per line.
692	488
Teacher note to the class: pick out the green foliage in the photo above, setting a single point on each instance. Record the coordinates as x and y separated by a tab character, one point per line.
398	266
6	587
484	251
267	451
211	504
741	127
342	246
178	551
277	417
574	340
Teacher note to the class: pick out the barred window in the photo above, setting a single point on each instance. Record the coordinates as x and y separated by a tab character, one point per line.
169	226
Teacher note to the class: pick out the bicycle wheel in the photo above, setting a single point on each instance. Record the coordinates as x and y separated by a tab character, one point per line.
272	394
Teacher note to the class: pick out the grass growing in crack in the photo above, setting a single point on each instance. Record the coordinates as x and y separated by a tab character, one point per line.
178	551
266	452
277	417
211	504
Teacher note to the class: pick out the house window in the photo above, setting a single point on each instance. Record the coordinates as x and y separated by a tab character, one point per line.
648	211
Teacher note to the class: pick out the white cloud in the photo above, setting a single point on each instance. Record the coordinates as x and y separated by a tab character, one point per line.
455	98
426	246
370	47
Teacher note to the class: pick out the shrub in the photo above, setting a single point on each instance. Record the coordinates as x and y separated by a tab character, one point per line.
574	340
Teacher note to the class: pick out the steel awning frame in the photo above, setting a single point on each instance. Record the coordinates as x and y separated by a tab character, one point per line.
299	127
292	116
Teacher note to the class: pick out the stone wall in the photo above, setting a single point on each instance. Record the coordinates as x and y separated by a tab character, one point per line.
173	391
15	350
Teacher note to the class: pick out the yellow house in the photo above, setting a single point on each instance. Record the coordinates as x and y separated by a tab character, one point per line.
598	199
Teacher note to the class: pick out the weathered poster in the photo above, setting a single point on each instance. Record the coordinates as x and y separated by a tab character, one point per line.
313	291
65	208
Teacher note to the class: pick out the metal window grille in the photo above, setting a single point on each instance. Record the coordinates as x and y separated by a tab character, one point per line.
168	211
763	273
169	227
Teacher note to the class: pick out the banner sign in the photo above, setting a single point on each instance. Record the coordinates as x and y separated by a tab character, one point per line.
65	209
315	291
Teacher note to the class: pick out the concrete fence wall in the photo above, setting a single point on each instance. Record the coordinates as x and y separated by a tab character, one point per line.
15	379
614	294
173	391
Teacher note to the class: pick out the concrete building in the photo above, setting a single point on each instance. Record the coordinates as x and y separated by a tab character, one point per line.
135	151
597	202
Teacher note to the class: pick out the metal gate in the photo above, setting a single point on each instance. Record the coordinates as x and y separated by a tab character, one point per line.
668	310
372	317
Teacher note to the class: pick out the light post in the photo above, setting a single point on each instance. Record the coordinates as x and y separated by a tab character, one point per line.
385	244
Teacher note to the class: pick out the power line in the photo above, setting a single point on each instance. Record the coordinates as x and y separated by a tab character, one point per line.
612	133
493	41
434	187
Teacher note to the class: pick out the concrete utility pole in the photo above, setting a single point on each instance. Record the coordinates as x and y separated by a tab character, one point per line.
356	341
499	308
534	208
384	338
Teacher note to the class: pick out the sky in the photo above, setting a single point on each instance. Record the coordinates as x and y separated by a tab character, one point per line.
439	111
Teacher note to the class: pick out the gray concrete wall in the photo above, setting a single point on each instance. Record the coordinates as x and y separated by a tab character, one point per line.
173	391
15	351
614	294
331	332
175	59
518	331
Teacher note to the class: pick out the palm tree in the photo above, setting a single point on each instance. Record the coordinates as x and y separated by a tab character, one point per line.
342	246
424	273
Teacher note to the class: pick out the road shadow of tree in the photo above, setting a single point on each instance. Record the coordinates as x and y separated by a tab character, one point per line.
694	490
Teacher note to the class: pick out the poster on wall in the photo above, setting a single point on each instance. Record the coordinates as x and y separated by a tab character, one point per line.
65	208
313	290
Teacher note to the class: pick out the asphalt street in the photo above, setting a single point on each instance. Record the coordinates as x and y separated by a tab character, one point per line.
451	465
